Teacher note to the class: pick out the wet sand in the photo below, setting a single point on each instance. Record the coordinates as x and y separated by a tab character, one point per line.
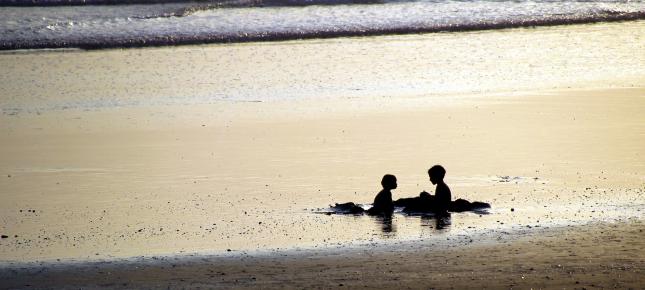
579	225
185	153
597	256
181	179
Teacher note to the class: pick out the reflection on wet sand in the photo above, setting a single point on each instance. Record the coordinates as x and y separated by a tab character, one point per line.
438	222
431	223
384	222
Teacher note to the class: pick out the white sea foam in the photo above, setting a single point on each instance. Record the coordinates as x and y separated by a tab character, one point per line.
97	26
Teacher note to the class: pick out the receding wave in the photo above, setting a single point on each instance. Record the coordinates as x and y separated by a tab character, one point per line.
93	26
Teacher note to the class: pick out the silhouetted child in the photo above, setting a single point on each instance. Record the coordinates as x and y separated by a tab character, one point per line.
383	201
440	202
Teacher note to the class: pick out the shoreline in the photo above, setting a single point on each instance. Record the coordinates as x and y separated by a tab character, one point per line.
217	74
579	256
169	41
442	241
132	154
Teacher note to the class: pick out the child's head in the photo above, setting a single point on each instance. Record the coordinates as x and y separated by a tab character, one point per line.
388	181
436	173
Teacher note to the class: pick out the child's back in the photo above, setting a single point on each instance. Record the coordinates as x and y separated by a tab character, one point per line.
442	197
383	201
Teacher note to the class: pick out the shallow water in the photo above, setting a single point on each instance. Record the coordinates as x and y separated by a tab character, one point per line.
412	66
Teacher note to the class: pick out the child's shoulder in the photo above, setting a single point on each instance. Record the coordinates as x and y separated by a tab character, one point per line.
443	187
384	192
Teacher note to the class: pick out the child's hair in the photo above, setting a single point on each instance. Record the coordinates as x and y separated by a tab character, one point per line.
388	179
437	171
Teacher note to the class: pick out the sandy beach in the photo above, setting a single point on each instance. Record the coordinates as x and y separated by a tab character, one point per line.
598	256
206	166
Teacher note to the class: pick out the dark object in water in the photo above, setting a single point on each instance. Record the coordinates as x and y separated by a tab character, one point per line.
461	205
348	207
414	205
379	212
424	205
405	202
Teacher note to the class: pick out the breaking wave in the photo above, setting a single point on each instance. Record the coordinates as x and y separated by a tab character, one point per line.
60	24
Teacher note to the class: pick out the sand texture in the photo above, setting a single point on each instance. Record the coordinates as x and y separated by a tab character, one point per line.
209	165
122	182
608	256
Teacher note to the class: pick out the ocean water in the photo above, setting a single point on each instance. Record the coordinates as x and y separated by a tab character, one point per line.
56	24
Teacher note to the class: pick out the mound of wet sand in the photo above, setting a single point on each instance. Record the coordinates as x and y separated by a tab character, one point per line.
415	205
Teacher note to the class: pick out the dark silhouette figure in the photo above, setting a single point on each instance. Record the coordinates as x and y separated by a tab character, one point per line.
442	196
438	203
383	201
